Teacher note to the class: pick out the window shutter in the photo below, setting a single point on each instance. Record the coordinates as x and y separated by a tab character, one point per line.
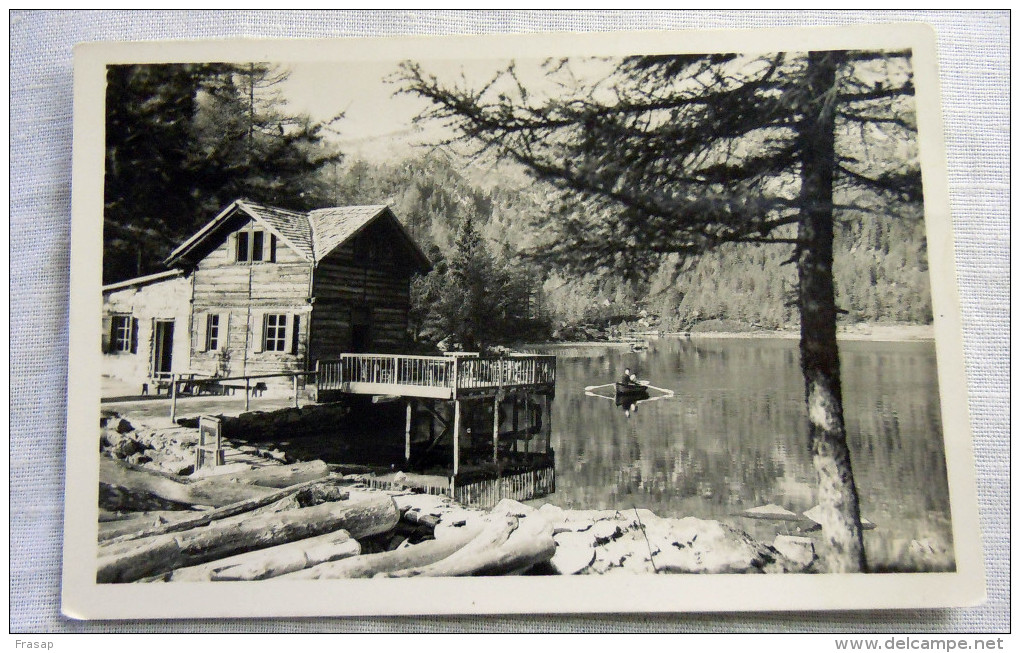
108	335
134	335
232	246
296	327
203	332
258	331
223	342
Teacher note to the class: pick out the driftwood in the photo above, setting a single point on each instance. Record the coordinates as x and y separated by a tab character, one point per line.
278	476
367	566
131	523
520	552
505	546
248	505
460	562
207	492
274	561
115	498
135	559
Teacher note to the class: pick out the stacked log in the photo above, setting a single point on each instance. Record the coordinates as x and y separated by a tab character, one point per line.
240	525
276	560
156	554
367	566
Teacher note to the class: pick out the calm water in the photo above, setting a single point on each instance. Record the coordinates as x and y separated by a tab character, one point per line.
735	437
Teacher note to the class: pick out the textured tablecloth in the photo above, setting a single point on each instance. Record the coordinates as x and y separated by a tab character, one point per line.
974	61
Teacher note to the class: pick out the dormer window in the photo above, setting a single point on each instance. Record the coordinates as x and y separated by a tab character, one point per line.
254	247
242	247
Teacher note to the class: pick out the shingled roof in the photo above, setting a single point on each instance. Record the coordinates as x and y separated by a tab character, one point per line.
313	235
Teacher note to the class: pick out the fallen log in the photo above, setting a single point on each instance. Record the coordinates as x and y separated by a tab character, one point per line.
204	493
148	556
114	498
367	566
203	518
141	521
522	550
461	561
278	476
274	561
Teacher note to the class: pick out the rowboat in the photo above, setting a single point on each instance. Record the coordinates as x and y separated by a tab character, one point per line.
631	389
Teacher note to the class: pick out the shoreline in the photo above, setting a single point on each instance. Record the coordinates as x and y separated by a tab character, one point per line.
857	333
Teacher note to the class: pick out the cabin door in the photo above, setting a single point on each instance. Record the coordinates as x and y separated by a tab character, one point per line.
361	330
162	348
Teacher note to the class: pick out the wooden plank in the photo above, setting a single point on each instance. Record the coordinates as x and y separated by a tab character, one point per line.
425	392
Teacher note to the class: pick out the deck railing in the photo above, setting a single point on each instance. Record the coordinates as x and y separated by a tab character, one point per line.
448	372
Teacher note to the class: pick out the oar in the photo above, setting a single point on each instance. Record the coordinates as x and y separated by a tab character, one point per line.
593	387
649	385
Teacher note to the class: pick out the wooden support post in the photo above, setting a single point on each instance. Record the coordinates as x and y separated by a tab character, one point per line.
407	430
456	436
318	382
515	424
247	394
527	414
173	398
295	392
432	423
495	429
548	423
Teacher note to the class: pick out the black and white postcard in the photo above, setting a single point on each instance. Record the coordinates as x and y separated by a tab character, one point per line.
644	322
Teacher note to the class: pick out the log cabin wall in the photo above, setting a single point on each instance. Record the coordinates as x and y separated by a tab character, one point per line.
130	313
237	304
365	280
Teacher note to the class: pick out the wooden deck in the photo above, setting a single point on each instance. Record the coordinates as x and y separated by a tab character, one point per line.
433	377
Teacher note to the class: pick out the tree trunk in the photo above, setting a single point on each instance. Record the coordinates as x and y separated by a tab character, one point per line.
465	560
202	493
274	561
194	520
134	522
279	476
128	561
819	353
367	566
114	498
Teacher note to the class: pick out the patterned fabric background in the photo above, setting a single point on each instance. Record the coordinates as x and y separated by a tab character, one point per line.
974	61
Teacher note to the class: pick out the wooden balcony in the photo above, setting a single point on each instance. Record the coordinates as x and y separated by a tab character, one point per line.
435	377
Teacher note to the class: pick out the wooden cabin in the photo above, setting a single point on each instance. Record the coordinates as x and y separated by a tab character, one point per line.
145	327
272	290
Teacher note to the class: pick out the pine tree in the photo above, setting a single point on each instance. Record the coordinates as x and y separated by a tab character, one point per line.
183	140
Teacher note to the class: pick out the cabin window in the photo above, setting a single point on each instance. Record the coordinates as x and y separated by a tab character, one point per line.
275	338
257	242
254	247
212	332
242	247
122	334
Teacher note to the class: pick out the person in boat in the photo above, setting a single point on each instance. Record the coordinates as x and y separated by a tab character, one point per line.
627	376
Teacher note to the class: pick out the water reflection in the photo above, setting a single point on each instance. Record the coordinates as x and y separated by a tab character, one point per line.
735	437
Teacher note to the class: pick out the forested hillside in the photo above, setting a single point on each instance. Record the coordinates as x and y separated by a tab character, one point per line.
880	262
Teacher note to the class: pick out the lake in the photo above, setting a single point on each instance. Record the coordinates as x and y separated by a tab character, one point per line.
734	436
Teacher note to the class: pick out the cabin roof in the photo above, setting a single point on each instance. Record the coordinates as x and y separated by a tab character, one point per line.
331	227
142	281
313	235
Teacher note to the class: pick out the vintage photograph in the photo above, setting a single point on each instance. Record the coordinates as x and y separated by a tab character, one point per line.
620	313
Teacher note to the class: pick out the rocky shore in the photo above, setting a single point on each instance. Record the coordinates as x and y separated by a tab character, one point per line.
262	516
